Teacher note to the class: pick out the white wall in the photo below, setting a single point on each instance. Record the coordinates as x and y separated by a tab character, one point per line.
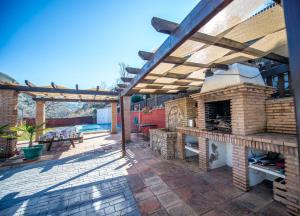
255	176
224	154
104	115
229	154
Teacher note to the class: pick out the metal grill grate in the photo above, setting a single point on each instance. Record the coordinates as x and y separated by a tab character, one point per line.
218	116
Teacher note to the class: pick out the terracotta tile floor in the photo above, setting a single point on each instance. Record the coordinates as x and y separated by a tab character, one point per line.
174	187
162	187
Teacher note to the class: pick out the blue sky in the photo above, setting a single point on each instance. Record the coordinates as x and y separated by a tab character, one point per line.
79	41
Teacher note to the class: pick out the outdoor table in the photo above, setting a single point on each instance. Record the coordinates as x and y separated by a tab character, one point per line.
49	142
145	128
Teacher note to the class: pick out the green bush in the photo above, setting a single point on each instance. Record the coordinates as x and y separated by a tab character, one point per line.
136	98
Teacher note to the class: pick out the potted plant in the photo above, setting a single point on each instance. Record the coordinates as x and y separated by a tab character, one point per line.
32	151
10	136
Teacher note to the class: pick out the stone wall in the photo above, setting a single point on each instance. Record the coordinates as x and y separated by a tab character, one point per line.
281	115
8	115
163	142
179	111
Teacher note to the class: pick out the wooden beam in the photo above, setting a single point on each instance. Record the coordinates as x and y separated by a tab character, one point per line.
163	26
29	84
126	79
278	2
132	70
222	42
165	87
121	85
292	17
72	100
276	70
198	17
186	84
174	75
181	61
177	76
236	46
161	91
56	90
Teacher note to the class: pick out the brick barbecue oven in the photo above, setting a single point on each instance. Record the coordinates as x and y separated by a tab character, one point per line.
235	118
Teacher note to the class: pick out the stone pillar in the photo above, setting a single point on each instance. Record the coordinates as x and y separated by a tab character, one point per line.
126	125
292	184
240	168
113	118
203	153
8	115
40	118
180	146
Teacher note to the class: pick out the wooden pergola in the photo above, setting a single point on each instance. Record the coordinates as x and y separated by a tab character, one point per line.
215	34
57	93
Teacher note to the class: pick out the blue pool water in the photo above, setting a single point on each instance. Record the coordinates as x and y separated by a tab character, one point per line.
94	128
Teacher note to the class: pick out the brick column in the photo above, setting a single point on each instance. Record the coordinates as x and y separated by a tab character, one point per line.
180	146
292	184
240	168
40	118
113	118
203	153
8	115
201	114
127	121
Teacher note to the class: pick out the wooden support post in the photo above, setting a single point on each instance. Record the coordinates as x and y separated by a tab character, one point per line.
40	118
281	88
292	17
127	119
269	81
113	118
123	125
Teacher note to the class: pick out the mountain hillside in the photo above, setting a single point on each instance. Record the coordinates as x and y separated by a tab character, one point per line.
26	108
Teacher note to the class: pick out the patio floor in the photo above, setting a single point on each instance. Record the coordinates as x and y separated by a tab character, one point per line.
93	179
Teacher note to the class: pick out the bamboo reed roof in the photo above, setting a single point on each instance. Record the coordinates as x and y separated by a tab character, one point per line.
242	31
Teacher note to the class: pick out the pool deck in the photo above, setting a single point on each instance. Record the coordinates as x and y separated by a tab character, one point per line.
93	179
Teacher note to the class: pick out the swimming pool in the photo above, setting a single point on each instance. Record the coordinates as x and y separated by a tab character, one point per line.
90	128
